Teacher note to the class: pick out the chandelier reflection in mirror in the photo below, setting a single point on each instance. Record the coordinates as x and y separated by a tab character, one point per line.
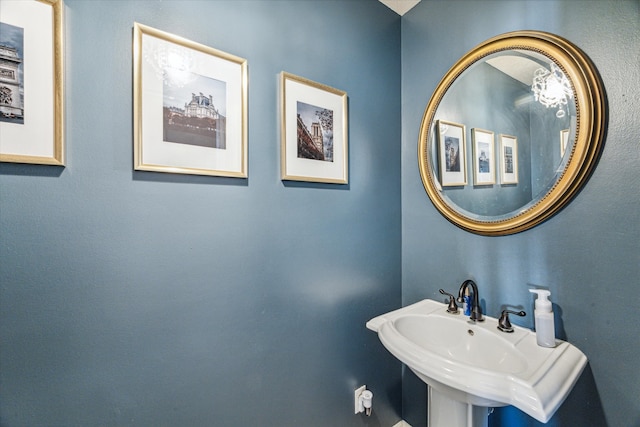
172	64
552	88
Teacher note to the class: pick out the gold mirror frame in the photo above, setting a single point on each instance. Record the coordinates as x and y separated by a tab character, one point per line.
590	126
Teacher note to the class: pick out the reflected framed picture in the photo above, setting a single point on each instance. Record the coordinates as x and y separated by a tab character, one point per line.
508	159
452	153
190	106
484	171
313	131
32	82
564	140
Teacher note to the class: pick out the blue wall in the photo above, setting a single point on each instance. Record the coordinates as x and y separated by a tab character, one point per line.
149	299
588	255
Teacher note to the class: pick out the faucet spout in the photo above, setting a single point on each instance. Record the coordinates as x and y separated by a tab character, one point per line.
476	310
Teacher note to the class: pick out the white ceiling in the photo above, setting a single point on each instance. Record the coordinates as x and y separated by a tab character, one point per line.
400	6
516	67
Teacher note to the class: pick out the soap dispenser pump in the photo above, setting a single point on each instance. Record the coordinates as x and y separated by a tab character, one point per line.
545	328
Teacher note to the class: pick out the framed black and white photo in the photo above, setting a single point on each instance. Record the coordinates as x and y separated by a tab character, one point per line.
452	153
314	121
508	159
190	106
484	171
32	82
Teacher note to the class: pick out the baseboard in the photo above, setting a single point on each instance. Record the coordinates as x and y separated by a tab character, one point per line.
402	423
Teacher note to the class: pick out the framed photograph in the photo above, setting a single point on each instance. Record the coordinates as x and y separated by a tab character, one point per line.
189	106
564	140
32	82
452	153
508	159
313	131
484	171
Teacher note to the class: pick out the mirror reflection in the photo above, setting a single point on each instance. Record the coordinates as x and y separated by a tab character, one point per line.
512	132
502	134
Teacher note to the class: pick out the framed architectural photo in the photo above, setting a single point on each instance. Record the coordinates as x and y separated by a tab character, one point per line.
508	159
313	131
452	153
564	140
190	106
484	171
32	82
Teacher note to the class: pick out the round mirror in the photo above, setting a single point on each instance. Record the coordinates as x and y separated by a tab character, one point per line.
511	133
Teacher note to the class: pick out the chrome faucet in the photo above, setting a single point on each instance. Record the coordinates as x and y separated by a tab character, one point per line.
476	310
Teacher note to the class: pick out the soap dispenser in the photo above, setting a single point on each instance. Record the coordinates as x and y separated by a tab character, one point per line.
545	328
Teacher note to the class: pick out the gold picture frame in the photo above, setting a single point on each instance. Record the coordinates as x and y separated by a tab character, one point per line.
314	123
564	141
32	96
484	159
189	106
452	153
508	159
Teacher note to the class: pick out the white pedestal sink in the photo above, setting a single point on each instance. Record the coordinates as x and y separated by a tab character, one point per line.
470	367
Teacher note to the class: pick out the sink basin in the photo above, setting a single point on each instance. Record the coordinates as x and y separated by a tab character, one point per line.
475	363
462	343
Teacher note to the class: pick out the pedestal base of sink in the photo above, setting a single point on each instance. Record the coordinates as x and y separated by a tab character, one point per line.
443	411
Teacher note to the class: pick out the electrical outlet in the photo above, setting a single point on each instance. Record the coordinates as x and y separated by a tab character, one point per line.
356	398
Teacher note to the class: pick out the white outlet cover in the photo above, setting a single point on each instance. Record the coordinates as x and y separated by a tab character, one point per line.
356	398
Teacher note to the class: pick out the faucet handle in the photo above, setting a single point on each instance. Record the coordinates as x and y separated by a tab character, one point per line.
504	324
453	307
